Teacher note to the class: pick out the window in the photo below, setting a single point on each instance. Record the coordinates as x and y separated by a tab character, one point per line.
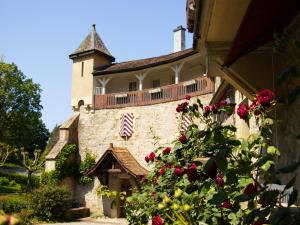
156	83
132	86
82	67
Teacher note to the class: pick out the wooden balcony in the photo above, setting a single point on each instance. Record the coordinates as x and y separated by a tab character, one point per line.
195	87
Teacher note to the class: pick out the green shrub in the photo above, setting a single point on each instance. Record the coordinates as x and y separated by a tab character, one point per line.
13	203
21	179
50	202
4	181
48	178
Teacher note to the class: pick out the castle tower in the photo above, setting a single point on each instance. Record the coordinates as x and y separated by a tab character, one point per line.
90	54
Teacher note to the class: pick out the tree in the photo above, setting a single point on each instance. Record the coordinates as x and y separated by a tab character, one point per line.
31	165
5	152
20	110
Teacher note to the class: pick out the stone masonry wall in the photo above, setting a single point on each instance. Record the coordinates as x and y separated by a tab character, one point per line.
97	129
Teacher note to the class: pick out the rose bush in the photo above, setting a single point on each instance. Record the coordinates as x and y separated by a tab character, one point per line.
210	176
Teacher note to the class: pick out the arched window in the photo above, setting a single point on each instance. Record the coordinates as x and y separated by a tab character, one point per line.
80	103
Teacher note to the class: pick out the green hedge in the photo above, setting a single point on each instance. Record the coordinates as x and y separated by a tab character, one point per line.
21	179
13	203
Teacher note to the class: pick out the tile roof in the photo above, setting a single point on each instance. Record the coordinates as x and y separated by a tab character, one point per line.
92	42
142	63
124	158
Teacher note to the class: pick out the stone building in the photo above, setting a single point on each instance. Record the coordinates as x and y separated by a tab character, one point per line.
119	108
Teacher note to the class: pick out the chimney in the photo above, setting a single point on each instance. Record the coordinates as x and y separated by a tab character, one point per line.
179	39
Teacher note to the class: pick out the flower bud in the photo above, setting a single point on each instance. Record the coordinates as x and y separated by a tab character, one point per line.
178	193
175	206
166	199
186	207
161	206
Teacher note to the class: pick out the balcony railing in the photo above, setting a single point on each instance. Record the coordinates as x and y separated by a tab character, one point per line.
195	87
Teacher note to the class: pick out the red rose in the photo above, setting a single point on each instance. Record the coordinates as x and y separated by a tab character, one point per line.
183	139
192	173
250	189
223	103
211	169
157	220
179	109
242	111
187	97
215	108
265	97
207	110
147	159
178	171
163	170
152	156
226	204
166	151
184	105
220	181
261	222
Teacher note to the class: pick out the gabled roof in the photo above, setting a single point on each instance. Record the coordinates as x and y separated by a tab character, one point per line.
124	158
92	44
135	65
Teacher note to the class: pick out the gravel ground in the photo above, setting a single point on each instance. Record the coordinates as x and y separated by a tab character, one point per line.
90	221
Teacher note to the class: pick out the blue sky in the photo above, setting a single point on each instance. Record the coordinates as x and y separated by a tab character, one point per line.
39	35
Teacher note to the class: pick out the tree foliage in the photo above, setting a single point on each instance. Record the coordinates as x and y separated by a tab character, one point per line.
20	110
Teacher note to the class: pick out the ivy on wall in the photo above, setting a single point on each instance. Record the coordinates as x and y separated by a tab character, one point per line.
85	165
66	167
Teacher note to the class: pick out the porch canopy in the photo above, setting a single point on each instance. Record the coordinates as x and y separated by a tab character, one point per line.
262	19
116	159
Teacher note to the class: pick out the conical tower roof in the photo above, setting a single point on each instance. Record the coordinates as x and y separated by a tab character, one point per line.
92	44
